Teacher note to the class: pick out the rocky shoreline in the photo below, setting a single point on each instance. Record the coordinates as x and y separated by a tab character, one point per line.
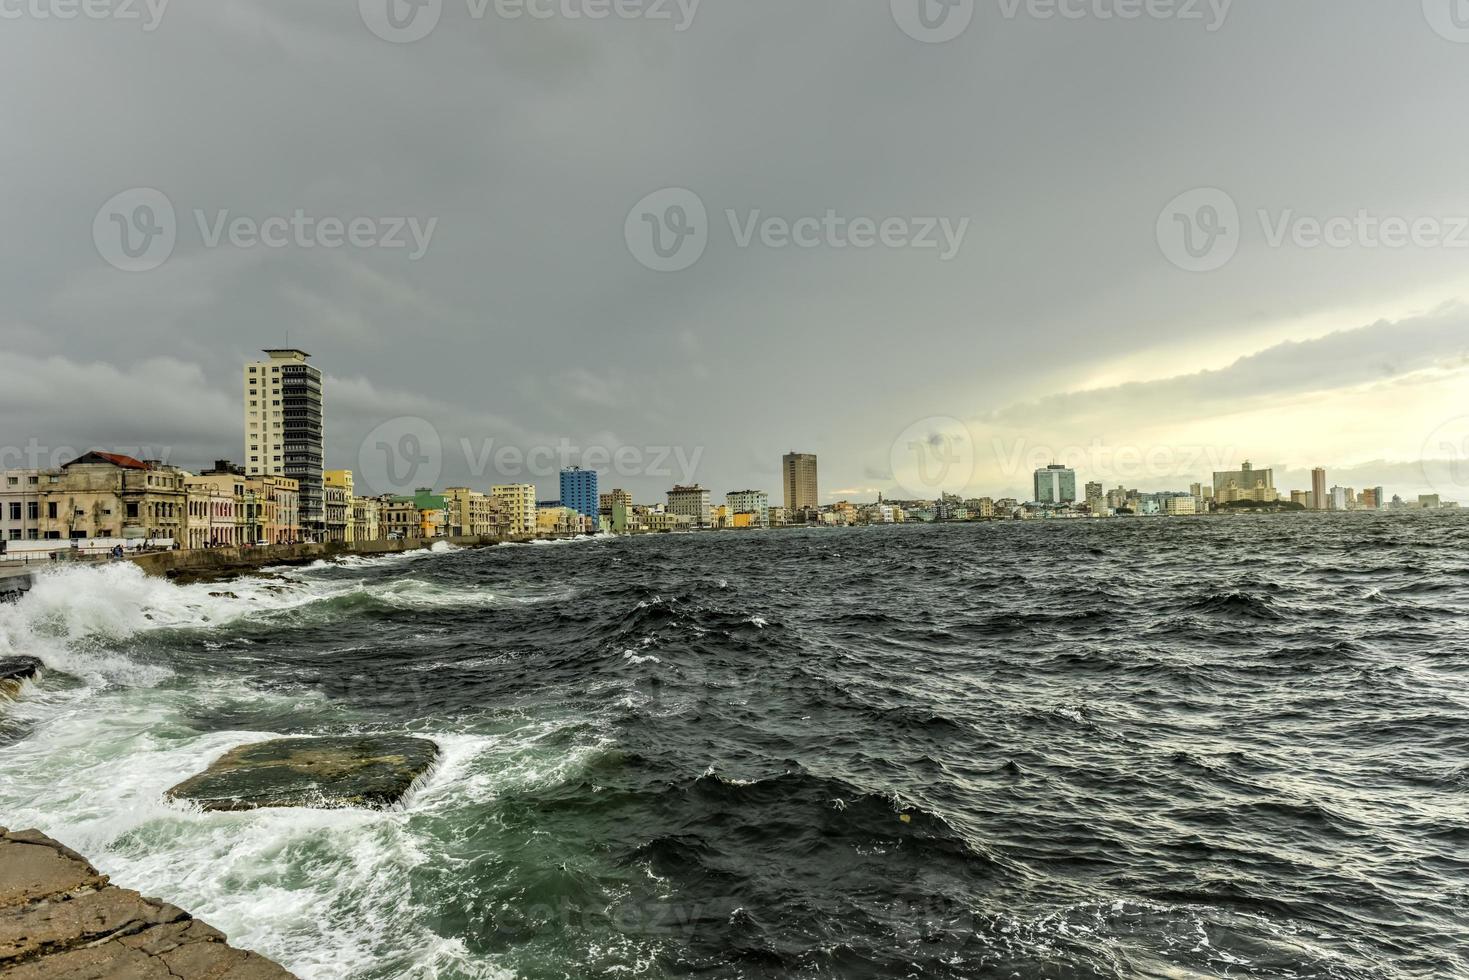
62	920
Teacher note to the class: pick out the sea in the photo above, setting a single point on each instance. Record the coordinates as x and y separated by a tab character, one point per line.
1133	748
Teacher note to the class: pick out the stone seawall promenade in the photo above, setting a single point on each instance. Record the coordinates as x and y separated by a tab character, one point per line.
61	920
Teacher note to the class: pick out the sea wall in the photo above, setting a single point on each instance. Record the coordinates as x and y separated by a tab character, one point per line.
218	563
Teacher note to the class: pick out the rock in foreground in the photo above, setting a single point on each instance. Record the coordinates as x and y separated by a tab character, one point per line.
61	920
14	670
372	771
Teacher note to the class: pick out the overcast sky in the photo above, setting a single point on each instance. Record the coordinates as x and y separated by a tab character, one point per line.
1035	236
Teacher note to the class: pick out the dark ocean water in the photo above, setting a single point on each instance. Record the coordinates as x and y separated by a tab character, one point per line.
1122	749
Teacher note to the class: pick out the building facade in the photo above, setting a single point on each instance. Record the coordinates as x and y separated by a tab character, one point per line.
691	502
579	492
798	474
1055	485
108	495
337	486
1245	483
754	503
284	429
518	502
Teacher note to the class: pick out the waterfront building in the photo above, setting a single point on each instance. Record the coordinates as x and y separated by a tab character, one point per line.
279	504
1245	483
367	518
691	502
1318	489
108	495
1303	498
617	496
778	516
518	501
560	521
284	429
754	503
1429	501
798	474
1055	485
337	505
1340	498
475	514
1180	505
20	505
579	492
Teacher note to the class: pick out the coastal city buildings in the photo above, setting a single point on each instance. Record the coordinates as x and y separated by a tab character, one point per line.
798	473
284	428
579	492
691	502
337	506
1318	489
1245	483
748	508
1056	484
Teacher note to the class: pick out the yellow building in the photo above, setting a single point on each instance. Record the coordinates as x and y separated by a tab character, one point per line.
519	503
107	495
337	491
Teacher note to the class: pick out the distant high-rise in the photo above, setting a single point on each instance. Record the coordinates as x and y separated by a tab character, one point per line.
1056	484
284	430
579	492
798	470
1318	488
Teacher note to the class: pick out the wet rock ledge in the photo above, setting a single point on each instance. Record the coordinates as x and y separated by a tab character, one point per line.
61	920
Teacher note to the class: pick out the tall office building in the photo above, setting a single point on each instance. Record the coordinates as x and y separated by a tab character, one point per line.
798	471
1056	484
283	429
579	492
1318	489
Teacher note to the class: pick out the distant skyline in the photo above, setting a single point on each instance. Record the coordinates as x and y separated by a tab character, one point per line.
512	158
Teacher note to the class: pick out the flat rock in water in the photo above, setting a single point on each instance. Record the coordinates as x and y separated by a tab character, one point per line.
373	771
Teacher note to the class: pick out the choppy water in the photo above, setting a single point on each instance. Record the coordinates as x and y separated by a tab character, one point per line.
1207	748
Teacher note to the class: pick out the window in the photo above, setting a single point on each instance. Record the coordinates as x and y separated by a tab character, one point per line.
12	481
132	510
51	511
15	512
33	510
